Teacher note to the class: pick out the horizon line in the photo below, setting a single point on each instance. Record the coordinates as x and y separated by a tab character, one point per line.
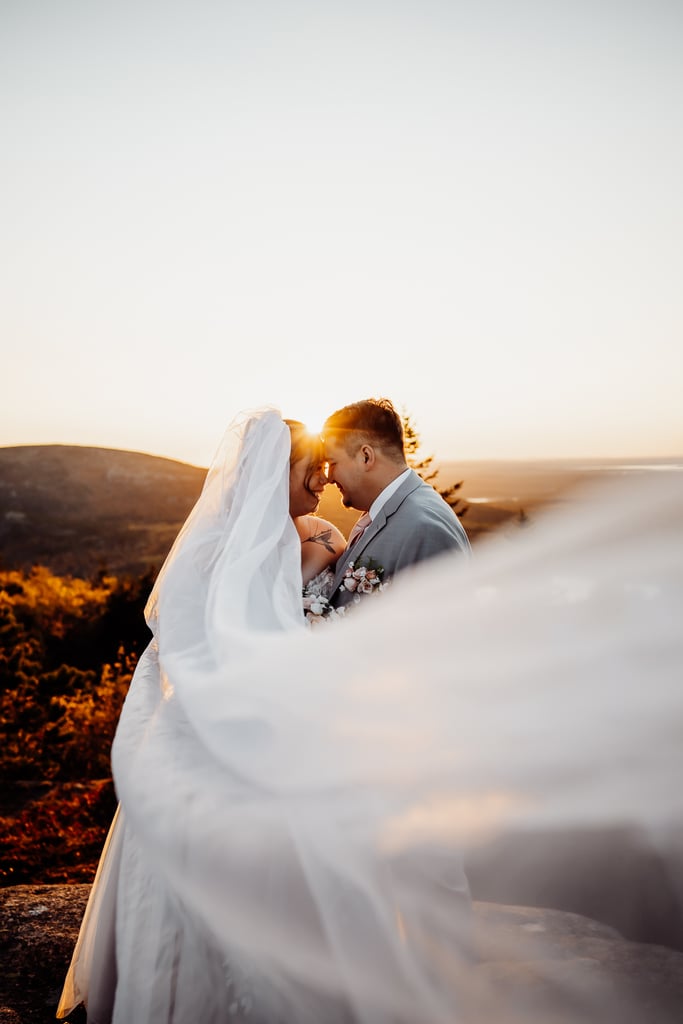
435	459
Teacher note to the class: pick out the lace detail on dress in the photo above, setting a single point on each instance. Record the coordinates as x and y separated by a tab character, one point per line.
316	597
321	585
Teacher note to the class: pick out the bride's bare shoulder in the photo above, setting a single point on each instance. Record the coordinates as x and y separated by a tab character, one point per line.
321	545
319	531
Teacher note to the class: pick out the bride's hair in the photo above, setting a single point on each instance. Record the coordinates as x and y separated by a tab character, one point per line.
305	446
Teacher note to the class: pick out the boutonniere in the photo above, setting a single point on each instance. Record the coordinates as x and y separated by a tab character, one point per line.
363	578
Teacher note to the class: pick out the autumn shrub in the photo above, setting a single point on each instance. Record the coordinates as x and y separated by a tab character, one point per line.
58	836
68	649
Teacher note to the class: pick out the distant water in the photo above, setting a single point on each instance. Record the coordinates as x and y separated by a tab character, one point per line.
500	480
639	467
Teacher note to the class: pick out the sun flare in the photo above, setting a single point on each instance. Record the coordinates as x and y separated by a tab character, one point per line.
313	417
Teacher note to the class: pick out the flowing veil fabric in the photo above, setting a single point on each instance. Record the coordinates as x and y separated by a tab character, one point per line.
294	795
232	578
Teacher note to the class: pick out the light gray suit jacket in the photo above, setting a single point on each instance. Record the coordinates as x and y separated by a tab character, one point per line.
414	524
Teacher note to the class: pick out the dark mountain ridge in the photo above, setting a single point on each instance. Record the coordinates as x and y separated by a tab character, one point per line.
79	510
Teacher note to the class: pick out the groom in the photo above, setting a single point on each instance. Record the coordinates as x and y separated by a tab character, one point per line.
405	519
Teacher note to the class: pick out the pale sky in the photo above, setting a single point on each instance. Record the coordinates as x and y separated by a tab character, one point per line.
474	208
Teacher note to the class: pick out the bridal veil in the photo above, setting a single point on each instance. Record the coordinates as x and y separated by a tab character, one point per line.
296	801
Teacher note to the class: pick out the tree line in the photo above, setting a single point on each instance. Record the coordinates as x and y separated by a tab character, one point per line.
68	649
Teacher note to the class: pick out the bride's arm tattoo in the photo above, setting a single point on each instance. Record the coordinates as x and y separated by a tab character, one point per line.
322	538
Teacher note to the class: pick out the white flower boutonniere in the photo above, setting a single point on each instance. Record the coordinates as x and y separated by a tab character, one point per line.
363	579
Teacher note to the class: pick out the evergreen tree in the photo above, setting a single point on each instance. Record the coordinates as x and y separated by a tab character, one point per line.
424	467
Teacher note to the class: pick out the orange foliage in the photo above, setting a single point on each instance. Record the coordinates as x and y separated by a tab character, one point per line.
57	837
54	600
68	649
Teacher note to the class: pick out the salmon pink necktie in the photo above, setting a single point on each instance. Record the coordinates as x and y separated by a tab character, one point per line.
358	529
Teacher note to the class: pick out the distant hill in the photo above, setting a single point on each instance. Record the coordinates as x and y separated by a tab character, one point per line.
78	510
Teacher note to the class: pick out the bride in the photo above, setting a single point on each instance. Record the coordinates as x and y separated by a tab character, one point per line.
288	796
252	541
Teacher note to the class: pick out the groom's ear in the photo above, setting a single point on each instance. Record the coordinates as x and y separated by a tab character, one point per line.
368	453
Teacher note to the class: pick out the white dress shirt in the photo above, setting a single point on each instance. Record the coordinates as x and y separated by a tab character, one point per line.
384	495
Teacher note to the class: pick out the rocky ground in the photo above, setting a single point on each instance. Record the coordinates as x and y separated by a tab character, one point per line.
533	965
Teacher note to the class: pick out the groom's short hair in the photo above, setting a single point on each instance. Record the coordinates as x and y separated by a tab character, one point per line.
372	421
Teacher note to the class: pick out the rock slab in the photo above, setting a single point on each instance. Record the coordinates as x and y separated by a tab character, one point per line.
540	964
38	929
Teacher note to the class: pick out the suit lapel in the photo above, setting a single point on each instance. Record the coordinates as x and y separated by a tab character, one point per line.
377	524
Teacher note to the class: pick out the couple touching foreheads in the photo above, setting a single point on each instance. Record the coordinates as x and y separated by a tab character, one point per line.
404	519
292	806
206	857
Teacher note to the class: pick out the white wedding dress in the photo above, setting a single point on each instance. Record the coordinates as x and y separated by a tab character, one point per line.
294	802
